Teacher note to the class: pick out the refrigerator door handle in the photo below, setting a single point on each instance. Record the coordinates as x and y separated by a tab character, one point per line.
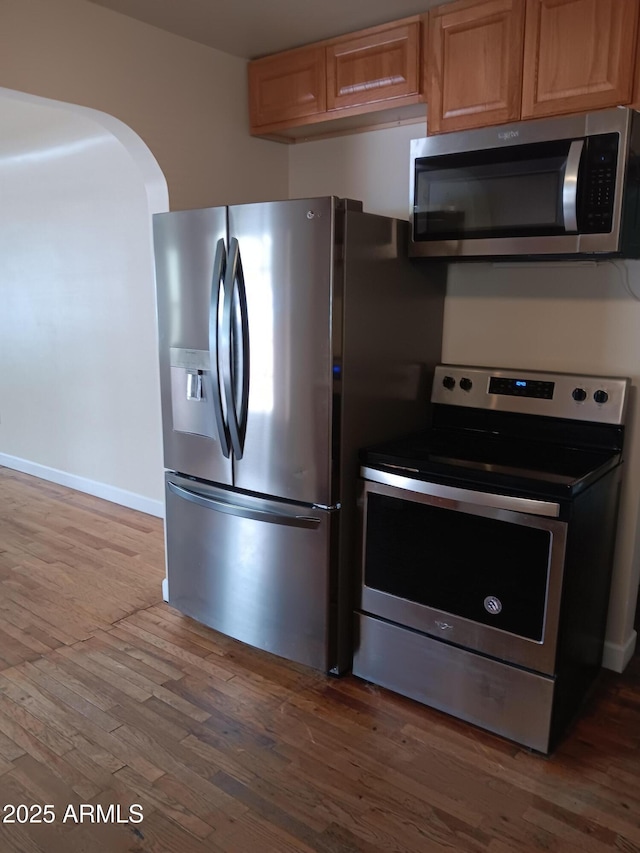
217	505
219	271
236	347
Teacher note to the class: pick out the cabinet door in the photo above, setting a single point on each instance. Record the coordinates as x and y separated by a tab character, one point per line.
578	55
287	87
474	64
374	67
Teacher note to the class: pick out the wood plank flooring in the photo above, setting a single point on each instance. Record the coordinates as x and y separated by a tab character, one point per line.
109	697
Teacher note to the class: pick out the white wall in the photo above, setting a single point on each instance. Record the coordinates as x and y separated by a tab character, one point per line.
79	392
563	316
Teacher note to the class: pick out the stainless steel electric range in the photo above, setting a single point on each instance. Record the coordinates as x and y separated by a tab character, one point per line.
487	549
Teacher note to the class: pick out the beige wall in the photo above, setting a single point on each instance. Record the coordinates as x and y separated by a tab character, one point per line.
561	316
187	101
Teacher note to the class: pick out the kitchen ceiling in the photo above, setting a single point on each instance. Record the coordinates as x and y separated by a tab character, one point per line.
252	28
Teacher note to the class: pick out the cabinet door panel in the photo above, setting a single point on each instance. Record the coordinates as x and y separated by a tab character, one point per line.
286	87
578	55
474	64
374	68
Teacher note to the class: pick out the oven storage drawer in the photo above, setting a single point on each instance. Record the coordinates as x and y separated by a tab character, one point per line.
501	698
474	575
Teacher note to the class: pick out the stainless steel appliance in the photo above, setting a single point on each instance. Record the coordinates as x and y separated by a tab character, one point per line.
488	545
290	332
545	188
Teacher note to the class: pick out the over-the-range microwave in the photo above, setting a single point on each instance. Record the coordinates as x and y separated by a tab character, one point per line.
547	188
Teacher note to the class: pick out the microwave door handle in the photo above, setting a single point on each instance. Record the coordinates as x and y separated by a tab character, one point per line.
570	186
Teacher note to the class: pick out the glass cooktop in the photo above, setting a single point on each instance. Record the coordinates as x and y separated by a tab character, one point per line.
520	465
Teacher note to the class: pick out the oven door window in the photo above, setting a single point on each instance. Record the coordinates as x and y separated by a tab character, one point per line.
483	569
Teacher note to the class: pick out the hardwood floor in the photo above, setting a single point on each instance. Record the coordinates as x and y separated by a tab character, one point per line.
109	697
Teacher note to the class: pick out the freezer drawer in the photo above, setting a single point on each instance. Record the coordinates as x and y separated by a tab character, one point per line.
254	569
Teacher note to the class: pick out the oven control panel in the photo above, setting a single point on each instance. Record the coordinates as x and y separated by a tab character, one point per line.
513	387
601	399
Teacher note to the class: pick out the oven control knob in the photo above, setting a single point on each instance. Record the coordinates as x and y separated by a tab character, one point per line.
466	384
601	396
449	382
579	395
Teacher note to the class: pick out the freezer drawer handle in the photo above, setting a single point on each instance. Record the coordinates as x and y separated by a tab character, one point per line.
217	505
219	270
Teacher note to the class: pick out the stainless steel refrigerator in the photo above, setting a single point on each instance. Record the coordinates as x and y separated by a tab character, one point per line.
291	333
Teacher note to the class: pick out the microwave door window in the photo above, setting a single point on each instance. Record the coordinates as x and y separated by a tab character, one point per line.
512	197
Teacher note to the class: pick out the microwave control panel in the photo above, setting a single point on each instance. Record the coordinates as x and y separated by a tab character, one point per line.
597	190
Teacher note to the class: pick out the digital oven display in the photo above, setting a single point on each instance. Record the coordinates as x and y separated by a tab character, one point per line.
521	388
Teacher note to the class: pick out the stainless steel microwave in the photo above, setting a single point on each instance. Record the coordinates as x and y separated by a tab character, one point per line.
563	187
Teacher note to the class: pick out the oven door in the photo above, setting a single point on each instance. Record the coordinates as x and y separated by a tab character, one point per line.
483	571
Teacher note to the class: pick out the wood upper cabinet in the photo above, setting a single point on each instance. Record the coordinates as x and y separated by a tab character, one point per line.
578	55
287	87
345	77
474	64
374	67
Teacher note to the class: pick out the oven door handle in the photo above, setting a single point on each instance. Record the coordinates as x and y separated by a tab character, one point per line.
467	496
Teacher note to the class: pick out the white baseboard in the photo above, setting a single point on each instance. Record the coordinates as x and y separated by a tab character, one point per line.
616	657
82	484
